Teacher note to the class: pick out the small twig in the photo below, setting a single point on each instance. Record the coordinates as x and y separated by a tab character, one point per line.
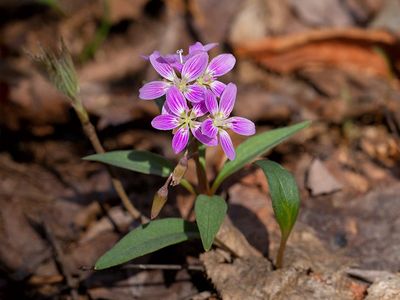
164	267
60	261
38	280
109	217
91	134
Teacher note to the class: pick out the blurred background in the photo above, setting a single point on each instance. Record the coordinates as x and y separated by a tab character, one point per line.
335	62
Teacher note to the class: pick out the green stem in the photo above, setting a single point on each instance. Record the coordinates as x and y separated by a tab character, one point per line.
214	188
281	251
204	187
188	186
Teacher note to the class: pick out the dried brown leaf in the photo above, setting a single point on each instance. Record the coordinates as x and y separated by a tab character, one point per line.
350	49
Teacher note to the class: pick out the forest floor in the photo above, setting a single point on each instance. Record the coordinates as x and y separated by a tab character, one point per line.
334	62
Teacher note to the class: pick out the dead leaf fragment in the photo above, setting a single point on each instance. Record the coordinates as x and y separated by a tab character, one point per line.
320	181
350	49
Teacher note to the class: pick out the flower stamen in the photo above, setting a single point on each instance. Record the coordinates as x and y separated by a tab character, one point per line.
179	52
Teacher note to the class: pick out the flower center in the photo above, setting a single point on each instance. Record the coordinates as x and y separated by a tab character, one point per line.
181	84
219	121
205	79
187	119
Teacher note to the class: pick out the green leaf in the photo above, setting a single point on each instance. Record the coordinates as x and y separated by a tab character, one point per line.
140	161
284	194
146	239
255	146
210	213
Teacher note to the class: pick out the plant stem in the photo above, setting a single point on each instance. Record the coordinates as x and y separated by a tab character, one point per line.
281	252
91	134
188	186
204	187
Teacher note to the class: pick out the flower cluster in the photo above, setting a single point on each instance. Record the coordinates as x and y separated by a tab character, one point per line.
196	101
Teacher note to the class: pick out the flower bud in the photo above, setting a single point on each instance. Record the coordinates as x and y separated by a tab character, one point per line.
160	198
180	170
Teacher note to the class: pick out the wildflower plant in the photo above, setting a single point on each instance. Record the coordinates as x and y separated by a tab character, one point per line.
196	108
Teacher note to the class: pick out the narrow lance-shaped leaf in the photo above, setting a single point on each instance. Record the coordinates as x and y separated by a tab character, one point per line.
255	146
146	239
210	213
284	194
285	200
139	161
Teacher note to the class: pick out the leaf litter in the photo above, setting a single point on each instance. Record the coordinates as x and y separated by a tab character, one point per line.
60	214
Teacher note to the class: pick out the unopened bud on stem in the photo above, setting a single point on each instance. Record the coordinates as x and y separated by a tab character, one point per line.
160	198
180	170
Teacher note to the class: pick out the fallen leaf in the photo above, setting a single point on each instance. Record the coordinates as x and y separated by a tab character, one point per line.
320	181
350	49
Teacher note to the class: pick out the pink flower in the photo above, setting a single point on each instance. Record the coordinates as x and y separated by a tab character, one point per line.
177	60
219	120
177	116
191	87
218	66
192	68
